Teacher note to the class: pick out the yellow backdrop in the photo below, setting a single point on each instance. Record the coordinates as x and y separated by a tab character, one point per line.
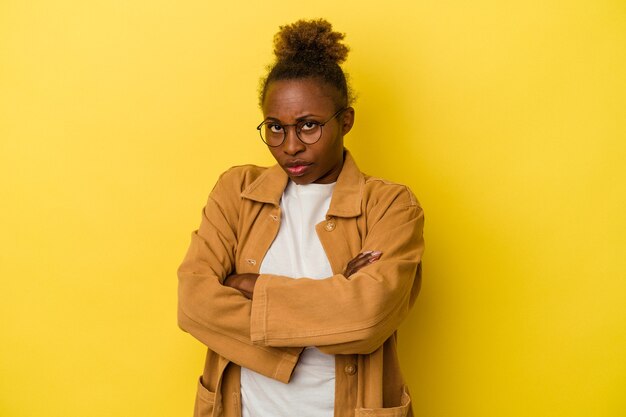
506	118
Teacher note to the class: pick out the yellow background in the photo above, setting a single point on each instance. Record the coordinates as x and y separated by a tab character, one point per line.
506	118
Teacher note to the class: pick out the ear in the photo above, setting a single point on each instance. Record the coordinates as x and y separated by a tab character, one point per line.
347	120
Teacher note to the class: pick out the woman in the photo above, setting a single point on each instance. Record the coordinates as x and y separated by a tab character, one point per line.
324	343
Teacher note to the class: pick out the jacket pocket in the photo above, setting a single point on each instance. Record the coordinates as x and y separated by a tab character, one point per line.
403	410
205	401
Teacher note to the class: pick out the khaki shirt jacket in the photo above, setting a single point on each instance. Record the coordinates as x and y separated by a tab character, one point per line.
354	318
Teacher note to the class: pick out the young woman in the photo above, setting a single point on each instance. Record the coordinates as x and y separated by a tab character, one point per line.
300	274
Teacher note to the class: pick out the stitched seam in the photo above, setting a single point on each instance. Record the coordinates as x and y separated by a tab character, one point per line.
239	339
329	332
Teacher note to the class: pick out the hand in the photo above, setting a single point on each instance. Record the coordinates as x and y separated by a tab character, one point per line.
244	283
361	260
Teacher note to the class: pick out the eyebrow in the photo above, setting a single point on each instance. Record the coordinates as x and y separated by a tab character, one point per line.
307	116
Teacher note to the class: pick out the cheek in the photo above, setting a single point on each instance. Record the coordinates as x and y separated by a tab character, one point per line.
330	156
334	149
274	152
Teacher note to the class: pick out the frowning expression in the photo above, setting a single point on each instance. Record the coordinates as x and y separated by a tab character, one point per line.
291	101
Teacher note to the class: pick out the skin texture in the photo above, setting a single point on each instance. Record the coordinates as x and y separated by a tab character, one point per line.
361	260
287	102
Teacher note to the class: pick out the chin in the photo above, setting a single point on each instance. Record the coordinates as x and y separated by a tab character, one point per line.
301	180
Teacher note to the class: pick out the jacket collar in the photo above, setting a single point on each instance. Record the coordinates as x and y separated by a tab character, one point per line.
346	199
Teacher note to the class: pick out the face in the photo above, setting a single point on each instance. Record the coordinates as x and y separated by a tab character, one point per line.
290	101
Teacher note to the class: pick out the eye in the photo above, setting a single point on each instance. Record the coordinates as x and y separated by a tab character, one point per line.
274	127
308	125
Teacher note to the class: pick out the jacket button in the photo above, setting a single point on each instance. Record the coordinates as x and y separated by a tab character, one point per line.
350	369
330	226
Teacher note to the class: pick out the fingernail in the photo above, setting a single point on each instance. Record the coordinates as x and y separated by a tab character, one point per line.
367	252
376	253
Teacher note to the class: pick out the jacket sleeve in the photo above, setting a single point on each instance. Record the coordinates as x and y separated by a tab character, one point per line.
216	315
352	315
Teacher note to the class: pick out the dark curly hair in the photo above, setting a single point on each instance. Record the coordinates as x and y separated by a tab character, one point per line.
309	49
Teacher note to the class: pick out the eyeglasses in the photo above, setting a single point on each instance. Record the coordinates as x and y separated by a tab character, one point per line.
308	131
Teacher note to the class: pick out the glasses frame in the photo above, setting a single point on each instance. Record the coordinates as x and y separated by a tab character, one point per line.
321	125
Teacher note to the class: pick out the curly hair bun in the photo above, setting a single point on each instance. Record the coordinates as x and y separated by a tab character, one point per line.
310	41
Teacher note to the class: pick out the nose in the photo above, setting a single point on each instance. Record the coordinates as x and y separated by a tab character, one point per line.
292	145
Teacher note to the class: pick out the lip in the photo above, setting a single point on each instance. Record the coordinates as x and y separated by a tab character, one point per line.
297	167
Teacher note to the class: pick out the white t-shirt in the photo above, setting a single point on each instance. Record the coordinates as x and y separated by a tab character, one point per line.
296	252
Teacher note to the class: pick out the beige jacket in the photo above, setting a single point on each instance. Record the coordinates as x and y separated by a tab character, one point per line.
353	318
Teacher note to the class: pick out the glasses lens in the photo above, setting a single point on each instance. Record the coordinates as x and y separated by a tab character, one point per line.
309	132
272	133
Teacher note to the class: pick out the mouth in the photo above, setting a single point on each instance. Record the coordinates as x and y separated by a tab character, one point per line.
297	168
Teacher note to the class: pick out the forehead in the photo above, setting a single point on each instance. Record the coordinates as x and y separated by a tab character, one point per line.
293	98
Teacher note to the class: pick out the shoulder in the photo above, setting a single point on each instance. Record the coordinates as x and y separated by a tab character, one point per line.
237	178
380	191
391	205
231	183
